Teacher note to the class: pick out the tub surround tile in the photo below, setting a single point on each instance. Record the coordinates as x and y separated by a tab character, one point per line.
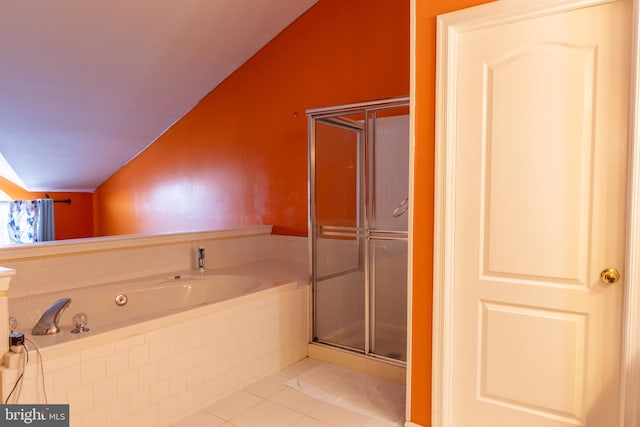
141	398
100	351
149	374
158	350
118	363
93	371
168	367
186	400
105	391
159	392
96	416
197	376
185	357
177	384
82	398
117	410
66	379
61	362
138	356
127	382
129	342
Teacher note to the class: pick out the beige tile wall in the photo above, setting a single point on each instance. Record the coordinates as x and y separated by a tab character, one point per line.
68	271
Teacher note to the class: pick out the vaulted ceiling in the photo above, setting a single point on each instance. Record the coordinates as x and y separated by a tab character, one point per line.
87	85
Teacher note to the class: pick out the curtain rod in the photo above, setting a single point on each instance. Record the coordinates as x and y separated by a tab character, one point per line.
46	196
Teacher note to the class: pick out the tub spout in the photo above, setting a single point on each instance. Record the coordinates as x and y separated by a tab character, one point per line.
48	323
201	259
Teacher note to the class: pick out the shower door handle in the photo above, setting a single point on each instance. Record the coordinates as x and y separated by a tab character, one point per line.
402	207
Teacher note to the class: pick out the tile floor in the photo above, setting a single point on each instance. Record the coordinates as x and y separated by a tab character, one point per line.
270	403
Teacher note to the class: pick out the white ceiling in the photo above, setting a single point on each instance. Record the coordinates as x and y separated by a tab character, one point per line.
86	85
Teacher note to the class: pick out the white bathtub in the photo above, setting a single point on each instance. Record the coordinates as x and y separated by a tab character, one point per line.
140	365
146	299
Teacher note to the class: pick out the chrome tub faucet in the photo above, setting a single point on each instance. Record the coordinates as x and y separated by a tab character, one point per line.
48	323
201	259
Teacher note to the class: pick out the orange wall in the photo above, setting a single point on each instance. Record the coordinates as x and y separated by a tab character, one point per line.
425	72
72	221
240	156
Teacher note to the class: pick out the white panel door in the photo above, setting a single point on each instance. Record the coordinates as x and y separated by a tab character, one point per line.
538	185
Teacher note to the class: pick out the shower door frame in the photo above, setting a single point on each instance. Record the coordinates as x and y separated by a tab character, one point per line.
334	116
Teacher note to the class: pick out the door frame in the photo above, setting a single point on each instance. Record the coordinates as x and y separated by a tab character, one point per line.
449	27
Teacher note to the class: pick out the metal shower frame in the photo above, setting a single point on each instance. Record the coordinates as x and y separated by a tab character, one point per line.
335	116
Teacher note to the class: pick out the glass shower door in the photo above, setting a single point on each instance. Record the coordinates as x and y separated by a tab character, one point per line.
339	300
388	198
358	187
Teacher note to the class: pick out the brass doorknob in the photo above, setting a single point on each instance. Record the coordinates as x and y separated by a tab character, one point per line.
609	276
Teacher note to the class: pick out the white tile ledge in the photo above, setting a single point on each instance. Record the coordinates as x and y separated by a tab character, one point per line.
98	244
6	274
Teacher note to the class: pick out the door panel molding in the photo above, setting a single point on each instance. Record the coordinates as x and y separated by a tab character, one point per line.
449	28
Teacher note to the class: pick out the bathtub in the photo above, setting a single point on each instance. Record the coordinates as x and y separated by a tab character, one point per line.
181	342
122	304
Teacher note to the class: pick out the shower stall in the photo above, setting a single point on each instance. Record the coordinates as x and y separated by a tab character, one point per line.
359	196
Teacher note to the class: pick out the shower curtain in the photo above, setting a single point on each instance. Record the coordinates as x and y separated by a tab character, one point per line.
31	221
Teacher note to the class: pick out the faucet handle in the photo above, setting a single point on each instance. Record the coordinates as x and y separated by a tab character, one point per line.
80	321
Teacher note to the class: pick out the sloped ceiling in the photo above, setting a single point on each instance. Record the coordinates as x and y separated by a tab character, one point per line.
86	85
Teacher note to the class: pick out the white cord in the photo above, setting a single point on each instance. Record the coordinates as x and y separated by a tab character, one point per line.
41	360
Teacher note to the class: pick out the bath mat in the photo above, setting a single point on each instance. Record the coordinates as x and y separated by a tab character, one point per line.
370	396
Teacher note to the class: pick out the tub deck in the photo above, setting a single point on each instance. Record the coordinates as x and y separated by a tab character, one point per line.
276	276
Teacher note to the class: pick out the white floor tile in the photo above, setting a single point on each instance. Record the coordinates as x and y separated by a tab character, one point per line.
270	403
233	405
379	423
299	368
200	419
310	422
268	386
267	414
337	417
295	400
